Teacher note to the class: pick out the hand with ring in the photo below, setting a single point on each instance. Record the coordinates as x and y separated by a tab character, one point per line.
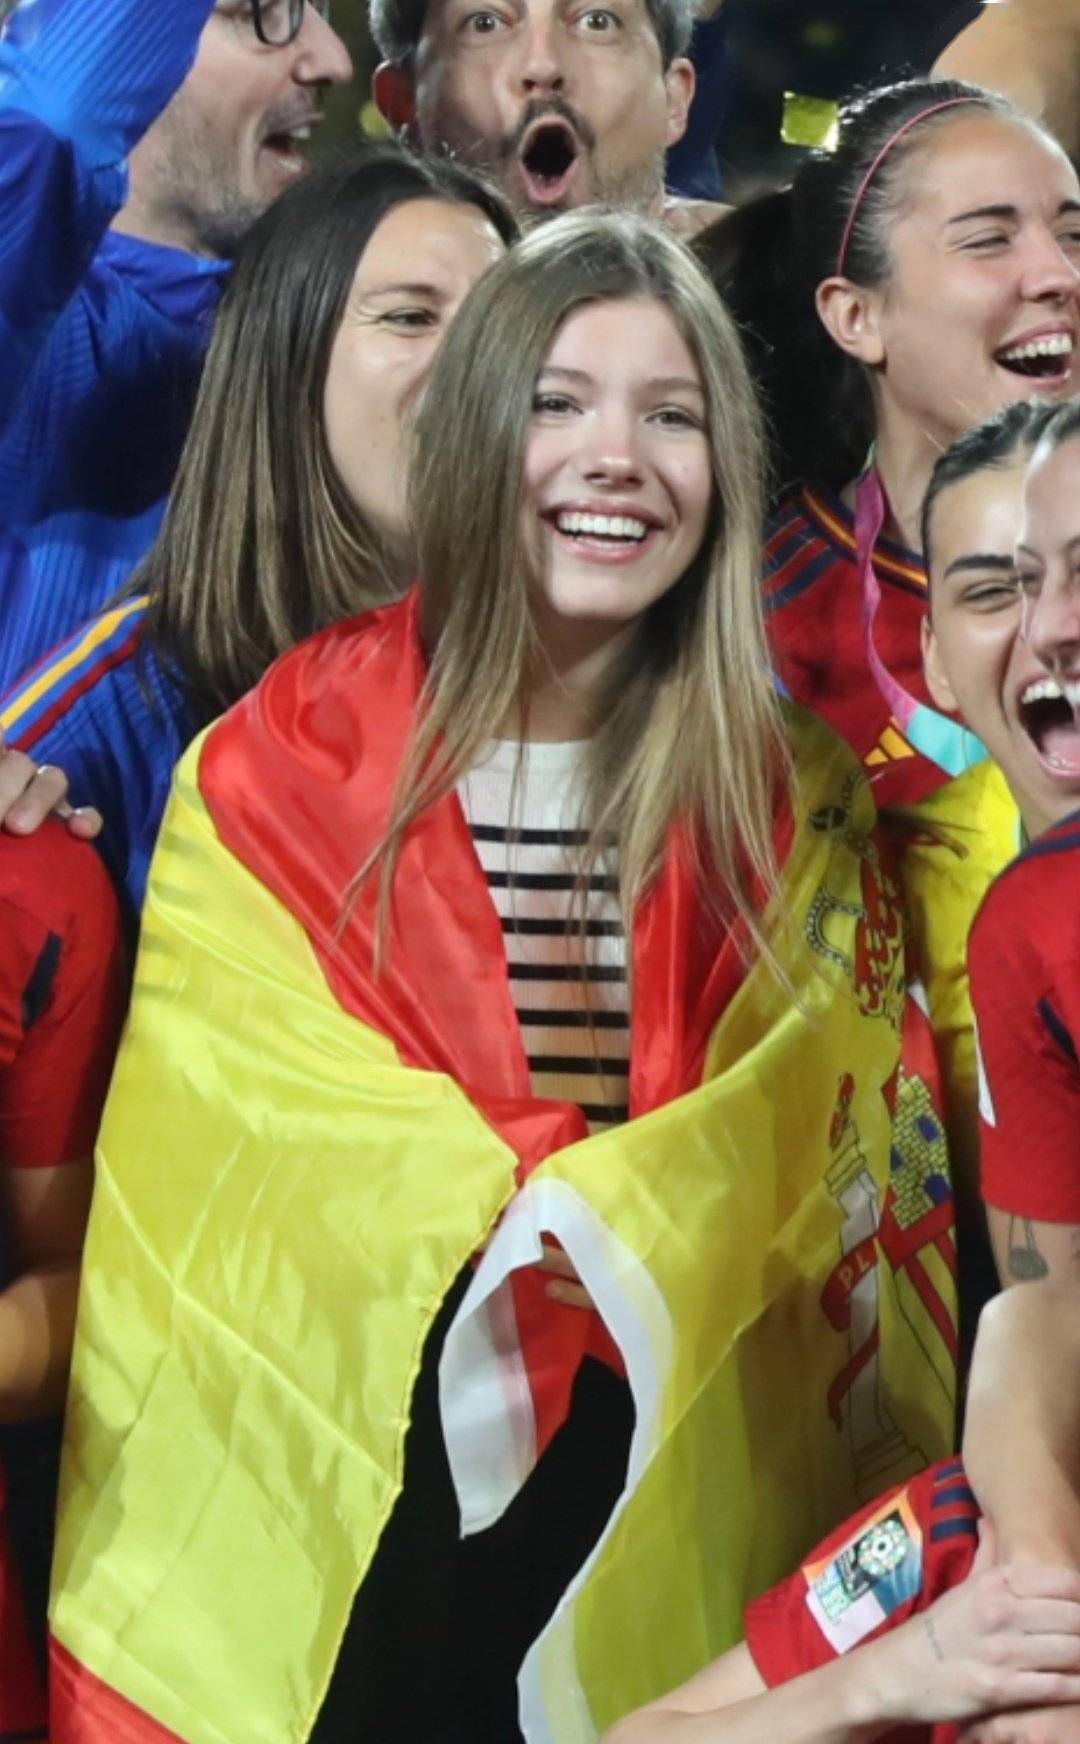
31	792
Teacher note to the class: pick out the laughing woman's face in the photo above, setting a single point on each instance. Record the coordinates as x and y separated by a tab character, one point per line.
981	660
983	303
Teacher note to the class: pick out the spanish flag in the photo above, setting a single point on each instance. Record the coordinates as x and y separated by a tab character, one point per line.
299	1157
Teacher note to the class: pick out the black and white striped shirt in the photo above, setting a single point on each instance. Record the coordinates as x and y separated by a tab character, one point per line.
574	1014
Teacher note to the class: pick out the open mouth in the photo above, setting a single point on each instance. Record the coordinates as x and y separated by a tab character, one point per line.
1050	715
619	532
288	144
548	158
1036	360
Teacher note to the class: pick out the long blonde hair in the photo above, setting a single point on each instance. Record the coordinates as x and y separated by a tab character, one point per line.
689	728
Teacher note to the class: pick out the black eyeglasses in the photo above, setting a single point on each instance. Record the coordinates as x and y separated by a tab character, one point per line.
277	22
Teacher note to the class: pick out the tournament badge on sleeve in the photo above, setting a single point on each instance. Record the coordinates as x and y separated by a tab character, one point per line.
851	1592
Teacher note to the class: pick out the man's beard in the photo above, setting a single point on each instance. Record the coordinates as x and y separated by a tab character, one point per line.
195	183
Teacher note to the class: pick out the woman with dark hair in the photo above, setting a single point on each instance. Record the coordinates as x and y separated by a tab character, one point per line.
516	918
906	286
288	510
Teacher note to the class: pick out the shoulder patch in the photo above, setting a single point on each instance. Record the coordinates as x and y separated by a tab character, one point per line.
852	1592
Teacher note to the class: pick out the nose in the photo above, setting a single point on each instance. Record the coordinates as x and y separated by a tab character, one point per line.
1051	624
541	66
611	453
321	56
1049	274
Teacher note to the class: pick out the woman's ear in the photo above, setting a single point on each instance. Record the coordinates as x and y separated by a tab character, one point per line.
937	682
851	315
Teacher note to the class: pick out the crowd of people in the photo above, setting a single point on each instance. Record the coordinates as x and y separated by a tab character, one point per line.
546	712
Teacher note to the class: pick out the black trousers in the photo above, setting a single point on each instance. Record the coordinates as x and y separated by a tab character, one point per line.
441	1625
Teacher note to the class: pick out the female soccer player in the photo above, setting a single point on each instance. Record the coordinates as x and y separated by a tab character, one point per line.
510	914
1024	946
906	286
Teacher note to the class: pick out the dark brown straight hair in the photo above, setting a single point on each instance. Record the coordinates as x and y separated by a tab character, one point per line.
261	544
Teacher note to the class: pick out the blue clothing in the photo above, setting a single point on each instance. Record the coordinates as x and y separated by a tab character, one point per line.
101	335
108	713
692	167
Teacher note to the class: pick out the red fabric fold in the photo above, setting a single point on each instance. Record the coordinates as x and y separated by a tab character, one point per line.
83	1710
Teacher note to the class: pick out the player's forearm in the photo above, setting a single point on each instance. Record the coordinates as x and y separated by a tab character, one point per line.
37	1324
1022	1428
1029	51
852	1700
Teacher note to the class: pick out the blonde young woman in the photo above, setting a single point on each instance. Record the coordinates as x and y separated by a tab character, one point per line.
501	1143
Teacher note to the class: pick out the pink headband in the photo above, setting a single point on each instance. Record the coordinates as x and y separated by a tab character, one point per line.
913	121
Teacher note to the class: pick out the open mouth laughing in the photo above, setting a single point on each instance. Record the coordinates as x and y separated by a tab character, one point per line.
1043	360
549	156
1050	715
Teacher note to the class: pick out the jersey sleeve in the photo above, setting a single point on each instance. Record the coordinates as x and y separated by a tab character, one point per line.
80	83
107	713
1029	1077
61	1004
882	1565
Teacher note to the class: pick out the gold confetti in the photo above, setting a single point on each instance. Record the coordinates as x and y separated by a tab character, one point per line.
810	121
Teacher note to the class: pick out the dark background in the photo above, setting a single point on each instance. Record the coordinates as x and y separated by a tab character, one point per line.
818	48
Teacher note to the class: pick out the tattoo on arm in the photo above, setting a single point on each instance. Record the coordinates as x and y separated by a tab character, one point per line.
931	1636
1026	1263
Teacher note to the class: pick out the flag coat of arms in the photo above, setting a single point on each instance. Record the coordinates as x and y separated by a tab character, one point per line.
299	1156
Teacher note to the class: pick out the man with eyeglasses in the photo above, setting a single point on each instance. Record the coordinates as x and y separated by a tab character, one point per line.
138	140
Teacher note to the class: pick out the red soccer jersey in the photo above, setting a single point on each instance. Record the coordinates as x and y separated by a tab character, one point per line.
1024	962
813	601
62	986
879	1568
62	982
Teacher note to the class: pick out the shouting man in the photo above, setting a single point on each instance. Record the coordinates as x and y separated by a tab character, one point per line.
565	102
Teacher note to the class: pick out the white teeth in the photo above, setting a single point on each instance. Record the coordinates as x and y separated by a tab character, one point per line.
609	526
1071	688
1043	690
1059	345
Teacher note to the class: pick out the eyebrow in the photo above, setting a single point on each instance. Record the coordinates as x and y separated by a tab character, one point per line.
665	383
1008	212
979	560
414	290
